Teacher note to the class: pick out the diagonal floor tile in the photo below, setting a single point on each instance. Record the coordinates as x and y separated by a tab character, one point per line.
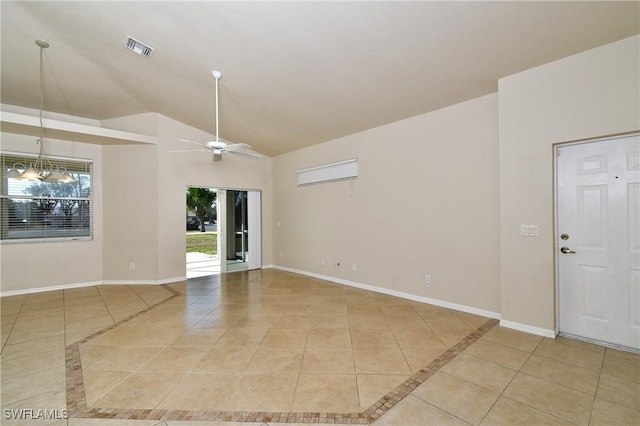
174	358
371	387
285	338
606	413
32	384
120	358
201	391
328	338
578	378
628	369
513	338
373	339
263	392
99	383
276	360
570	354
456	396
507	412
412	411
551	398
420	358
141	390
418	338
327	393
328	361
620	391
483	373
380	361
497	353
227	359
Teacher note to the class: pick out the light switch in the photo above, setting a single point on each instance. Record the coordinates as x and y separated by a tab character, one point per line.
530	230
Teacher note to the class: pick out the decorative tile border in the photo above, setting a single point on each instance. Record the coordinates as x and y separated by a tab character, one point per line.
385	403
76	397
77	404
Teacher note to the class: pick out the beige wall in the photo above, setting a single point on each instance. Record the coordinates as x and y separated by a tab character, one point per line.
425	202
592	94
139	209
45	264
130	208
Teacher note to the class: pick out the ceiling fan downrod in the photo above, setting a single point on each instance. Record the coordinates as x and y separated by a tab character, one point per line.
217	75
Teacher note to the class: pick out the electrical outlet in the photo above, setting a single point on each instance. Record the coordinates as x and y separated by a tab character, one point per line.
427	279
132	266
354	267
281	255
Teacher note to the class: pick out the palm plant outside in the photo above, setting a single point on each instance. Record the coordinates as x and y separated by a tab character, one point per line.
203	202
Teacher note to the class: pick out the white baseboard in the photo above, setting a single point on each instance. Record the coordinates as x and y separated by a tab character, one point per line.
50	288
89	284
401	294
544	332
455	306
144	282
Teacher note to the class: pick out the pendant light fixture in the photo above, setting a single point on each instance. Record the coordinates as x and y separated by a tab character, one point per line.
42	169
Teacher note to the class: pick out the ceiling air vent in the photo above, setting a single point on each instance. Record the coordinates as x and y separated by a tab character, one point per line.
138	47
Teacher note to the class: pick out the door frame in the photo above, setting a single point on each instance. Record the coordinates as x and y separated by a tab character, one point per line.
556	232
254	219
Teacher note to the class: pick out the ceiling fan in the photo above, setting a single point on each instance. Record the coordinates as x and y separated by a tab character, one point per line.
218	146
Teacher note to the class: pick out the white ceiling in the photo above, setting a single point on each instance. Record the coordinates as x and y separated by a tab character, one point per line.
295	73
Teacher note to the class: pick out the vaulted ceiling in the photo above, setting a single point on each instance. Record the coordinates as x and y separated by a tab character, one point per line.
295	73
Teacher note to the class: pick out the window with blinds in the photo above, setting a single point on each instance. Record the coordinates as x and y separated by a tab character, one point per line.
39	209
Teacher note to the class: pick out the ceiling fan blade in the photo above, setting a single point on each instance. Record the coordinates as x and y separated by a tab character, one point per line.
247	154
194	143
191	150
237	147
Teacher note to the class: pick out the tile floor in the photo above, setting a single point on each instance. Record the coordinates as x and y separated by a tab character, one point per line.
268	347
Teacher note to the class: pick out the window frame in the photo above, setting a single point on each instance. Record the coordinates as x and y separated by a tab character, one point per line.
83	163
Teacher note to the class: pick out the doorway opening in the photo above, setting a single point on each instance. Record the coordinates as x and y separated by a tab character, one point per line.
202	257
228	237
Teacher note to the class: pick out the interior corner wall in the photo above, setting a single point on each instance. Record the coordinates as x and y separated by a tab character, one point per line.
425	203
592	94
25	266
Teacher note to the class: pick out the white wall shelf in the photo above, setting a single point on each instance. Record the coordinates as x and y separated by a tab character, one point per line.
341	170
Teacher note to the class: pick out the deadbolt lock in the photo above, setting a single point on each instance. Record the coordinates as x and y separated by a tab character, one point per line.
564	236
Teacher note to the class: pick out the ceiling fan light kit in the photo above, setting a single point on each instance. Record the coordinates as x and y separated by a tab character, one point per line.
218	147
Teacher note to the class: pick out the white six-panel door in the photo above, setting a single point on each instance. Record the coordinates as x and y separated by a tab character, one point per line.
598	240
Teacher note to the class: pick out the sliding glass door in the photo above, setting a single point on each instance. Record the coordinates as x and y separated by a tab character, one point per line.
239	229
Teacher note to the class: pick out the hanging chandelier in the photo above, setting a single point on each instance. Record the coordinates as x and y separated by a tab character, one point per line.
42	169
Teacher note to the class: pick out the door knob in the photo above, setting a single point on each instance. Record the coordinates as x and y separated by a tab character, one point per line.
566	250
